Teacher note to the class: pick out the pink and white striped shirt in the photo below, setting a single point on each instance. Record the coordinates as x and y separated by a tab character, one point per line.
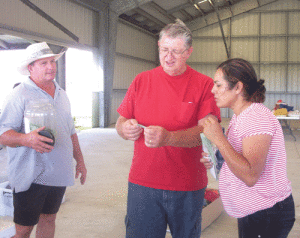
273	186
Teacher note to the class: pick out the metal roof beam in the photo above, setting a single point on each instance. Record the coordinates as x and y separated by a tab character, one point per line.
186	14
162	11
195	4
178	8
150	17
221	27
122	6
50	19
93	5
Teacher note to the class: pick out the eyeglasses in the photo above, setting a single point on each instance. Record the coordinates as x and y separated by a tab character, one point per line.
175	53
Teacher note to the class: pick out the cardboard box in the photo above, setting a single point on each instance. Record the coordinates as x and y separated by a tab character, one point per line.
211	212
7	229
6	200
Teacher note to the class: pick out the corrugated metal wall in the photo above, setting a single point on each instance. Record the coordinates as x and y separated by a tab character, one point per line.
136	51
26	22
268	37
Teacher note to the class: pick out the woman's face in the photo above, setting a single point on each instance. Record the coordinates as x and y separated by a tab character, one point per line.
225	97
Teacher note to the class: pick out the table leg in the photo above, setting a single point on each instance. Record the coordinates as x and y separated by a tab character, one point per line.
289	128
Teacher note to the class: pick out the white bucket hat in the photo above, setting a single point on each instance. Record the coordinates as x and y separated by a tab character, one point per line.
34	52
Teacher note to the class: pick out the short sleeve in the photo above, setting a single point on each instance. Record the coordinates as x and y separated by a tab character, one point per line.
208	104
257	123
126	109
11	117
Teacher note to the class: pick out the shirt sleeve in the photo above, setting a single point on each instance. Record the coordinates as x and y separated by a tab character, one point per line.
208	104
12	114
126	109
256	123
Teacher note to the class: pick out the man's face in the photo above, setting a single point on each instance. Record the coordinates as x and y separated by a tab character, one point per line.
173	55
43	70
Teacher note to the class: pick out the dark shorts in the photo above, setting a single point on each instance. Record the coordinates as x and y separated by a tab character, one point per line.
37	200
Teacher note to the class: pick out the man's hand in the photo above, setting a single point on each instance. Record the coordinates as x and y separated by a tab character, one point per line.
156	136
81	169
131	130
206	160
38	142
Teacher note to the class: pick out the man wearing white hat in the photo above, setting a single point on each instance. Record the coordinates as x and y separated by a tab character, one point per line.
40	167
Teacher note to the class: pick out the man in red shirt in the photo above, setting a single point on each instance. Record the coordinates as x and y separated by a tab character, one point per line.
162	112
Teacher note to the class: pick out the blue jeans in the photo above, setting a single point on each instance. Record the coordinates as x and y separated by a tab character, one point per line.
150	210
274	222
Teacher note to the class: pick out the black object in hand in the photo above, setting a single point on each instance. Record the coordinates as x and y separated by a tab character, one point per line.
48	134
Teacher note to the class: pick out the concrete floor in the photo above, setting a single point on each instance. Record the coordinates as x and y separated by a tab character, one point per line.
97	209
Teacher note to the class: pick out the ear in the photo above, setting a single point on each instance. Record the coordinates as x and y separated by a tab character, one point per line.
190	50
29	67
239	87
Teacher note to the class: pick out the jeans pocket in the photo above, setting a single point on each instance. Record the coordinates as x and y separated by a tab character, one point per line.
126	221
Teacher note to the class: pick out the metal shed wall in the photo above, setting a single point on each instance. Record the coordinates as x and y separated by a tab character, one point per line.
136	51
18	19
268	37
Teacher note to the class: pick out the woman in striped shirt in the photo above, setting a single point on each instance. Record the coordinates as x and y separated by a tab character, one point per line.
253	181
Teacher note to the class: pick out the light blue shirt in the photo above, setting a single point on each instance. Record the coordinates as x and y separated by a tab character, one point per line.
25	165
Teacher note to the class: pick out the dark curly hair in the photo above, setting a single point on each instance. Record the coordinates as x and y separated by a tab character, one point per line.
236	70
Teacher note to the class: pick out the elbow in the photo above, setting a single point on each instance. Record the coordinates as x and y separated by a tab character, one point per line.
251	181
2	141
250	184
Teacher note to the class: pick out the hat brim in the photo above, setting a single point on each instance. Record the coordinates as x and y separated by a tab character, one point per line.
23	67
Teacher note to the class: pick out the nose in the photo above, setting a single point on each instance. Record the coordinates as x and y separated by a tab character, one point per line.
169	55
213	90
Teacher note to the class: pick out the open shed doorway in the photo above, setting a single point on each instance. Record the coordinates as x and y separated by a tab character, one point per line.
9	75
82	79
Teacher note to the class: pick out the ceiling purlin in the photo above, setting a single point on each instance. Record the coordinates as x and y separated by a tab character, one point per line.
93	5
162	11
121	6
186	14
221	26
137	23
50	19
230	4
148	16
211	4
195	4
178	8
227	4
199	9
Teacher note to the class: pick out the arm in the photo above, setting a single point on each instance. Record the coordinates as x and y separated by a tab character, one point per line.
77	154
32	140
128	129
247	166
182	138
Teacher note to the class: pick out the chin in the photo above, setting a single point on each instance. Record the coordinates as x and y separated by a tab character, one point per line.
220	105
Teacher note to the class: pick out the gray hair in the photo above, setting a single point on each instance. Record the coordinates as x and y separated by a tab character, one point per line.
177	30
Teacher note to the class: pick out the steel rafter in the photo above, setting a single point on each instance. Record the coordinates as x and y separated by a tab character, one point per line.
50	19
